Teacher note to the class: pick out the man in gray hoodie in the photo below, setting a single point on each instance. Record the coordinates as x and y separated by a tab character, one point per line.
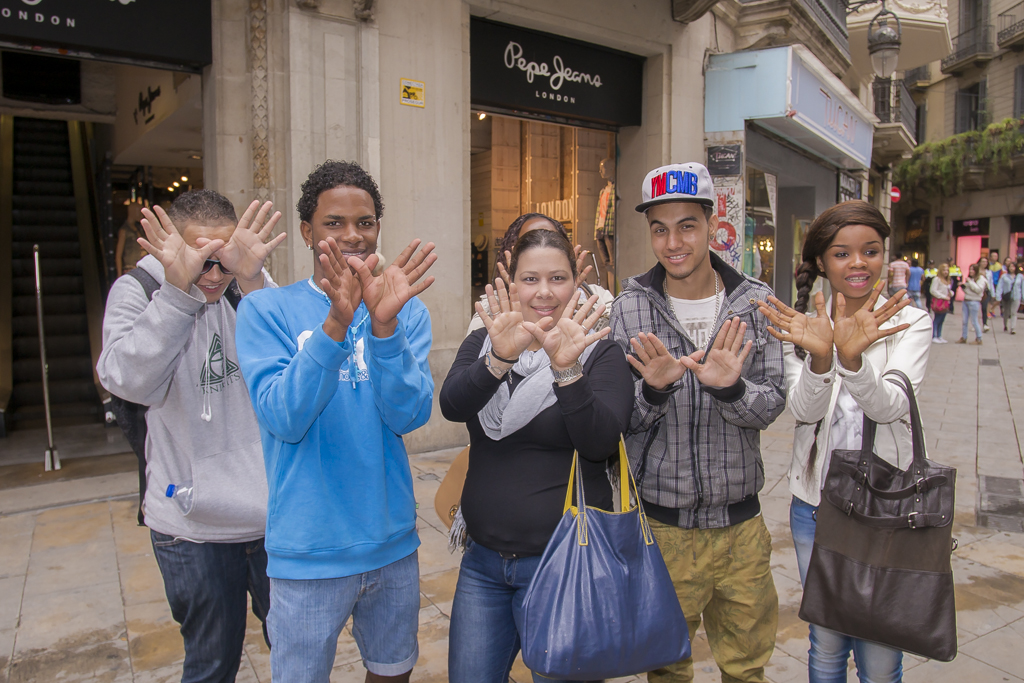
175	353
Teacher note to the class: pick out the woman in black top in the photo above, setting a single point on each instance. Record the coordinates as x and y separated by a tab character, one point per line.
533	387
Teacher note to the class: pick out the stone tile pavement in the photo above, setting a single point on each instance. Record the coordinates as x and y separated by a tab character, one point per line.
81	598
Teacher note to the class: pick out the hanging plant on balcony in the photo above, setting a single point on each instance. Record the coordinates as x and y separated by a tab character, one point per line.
940	167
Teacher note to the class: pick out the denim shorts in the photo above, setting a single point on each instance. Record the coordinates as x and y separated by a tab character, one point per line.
307	616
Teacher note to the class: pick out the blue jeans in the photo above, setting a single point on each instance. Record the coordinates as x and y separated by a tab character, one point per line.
830	651
206	585
306	618
972	312
483	640
937	325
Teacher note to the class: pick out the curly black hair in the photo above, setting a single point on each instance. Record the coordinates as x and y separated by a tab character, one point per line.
201	206
332	174
508	242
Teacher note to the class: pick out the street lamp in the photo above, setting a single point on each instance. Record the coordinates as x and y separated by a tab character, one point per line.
883	39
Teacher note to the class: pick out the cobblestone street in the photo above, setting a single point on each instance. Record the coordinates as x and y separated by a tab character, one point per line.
81	598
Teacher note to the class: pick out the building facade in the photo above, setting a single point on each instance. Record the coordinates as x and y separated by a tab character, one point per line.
470	112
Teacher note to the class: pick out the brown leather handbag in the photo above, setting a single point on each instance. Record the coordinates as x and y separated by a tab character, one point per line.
881	569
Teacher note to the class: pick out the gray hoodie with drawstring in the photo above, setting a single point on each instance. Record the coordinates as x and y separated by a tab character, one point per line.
176	354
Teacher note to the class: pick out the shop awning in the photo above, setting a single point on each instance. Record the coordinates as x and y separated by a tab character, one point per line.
787	91
924	29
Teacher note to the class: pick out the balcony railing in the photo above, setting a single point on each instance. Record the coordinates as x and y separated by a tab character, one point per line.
919	77
1011	26
894	104
973	45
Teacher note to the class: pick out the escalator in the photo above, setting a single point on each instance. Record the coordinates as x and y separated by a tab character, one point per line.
45	200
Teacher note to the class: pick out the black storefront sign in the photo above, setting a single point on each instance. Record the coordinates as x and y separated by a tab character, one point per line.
971	226
517	69
724	160
173	34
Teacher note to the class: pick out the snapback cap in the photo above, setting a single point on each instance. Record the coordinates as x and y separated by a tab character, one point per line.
677	183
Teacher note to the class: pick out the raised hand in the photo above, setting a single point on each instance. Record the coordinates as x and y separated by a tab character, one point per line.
582	269
653	361
182	264
566	339
248	247
505	322
341	286
386	294
814	335
854	334
724	361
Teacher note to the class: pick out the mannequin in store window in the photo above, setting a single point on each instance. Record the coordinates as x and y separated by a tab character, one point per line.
604	224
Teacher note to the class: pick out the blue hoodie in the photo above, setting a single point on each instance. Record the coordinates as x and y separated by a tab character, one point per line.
331	417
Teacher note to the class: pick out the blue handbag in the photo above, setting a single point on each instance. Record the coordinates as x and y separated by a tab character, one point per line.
602	603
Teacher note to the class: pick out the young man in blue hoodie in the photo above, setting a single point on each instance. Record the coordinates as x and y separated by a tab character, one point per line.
337	369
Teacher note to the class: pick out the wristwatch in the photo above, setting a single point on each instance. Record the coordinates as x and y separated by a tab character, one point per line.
566	375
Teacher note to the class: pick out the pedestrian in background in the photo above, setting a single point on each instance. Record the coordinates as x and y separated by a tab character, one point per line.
914	283
975	289
929	274
986	299
836	357
941	297
956	276
1010	291
899	271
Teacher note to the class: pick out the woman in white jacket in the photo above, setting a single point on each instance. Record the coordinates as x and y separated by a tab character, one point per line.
836	357
975	287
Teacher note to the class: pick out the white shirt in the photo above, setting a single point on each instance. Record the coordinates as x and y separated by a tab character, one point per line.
696	317
847	431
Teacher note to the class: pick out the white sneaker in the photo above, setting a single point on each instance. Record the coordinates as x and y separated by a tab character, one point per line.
943	341
987	329
936	340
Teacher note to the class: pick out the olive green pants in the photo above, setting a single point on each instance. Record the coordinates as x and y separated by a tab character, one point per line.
724	576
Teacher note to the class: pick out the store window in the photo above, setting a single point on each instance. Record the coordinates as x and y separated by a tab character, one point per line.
565	172
759	230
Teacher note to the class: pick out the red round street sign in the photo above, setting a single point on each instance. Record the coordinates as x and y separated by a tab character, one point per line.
895	194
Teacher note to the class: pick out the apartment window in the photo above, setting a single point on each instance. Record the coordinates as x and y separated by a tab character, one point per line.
1018	92
970	108
922	119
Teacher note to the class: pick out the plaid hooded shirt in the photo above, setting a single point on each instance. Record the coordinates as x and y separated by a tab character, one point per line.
696	449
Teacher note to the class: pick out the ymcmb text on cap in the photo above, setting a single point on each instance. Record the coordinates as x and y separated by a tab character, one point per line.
677	183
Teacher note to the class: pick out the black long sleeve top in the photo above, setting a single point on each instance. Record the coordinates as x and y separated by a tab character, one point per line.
515	487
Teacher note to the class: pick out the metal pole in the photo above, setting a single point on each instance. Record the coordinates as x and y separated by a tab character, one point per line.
51	460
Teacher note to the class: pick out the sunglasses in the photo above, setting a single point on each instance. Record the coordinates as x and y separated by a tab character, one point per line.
210	263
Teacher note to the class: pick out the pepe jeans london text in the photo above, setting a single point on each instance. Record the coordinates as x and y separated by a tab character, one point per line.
557	74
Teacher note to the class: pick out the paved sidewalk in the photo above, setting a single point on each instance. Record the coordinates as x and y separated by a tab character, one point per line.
81	598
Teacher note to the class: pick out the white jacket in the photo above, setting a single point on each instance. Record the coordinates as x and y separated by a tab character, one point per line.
813	397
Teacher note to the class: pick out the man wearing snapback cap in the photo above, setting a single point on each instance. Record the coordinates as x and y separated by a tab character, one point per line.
709	378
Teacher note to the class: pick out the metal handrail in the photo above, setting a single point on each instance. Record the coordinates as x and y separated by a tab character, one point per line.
973	41
51	460
1011	22
895	104
916	75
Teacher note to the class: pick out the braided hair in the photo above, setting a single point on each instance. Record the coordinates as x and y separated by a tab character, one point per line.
819	238
508	242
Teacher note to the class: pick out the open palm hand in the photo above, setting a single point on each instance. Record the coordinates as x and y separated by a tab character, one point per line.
248	248
855	333
385	295
182	263
723	364
504	320
565	340
813	334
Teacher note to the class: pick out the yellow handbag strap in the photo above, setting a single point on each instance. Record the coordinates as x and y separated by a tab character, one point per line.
625	477
625	480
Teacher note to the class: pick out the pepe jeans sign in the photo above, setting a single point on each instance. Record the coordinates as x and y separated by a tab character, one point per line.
111	28
517	69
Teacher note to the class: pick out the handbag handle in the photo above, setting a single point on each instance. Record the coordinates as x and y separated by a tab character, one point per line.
625	476
916	431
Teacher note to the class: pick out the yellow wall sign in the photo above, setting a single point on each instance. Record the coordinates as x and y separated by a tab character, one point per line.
412	93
